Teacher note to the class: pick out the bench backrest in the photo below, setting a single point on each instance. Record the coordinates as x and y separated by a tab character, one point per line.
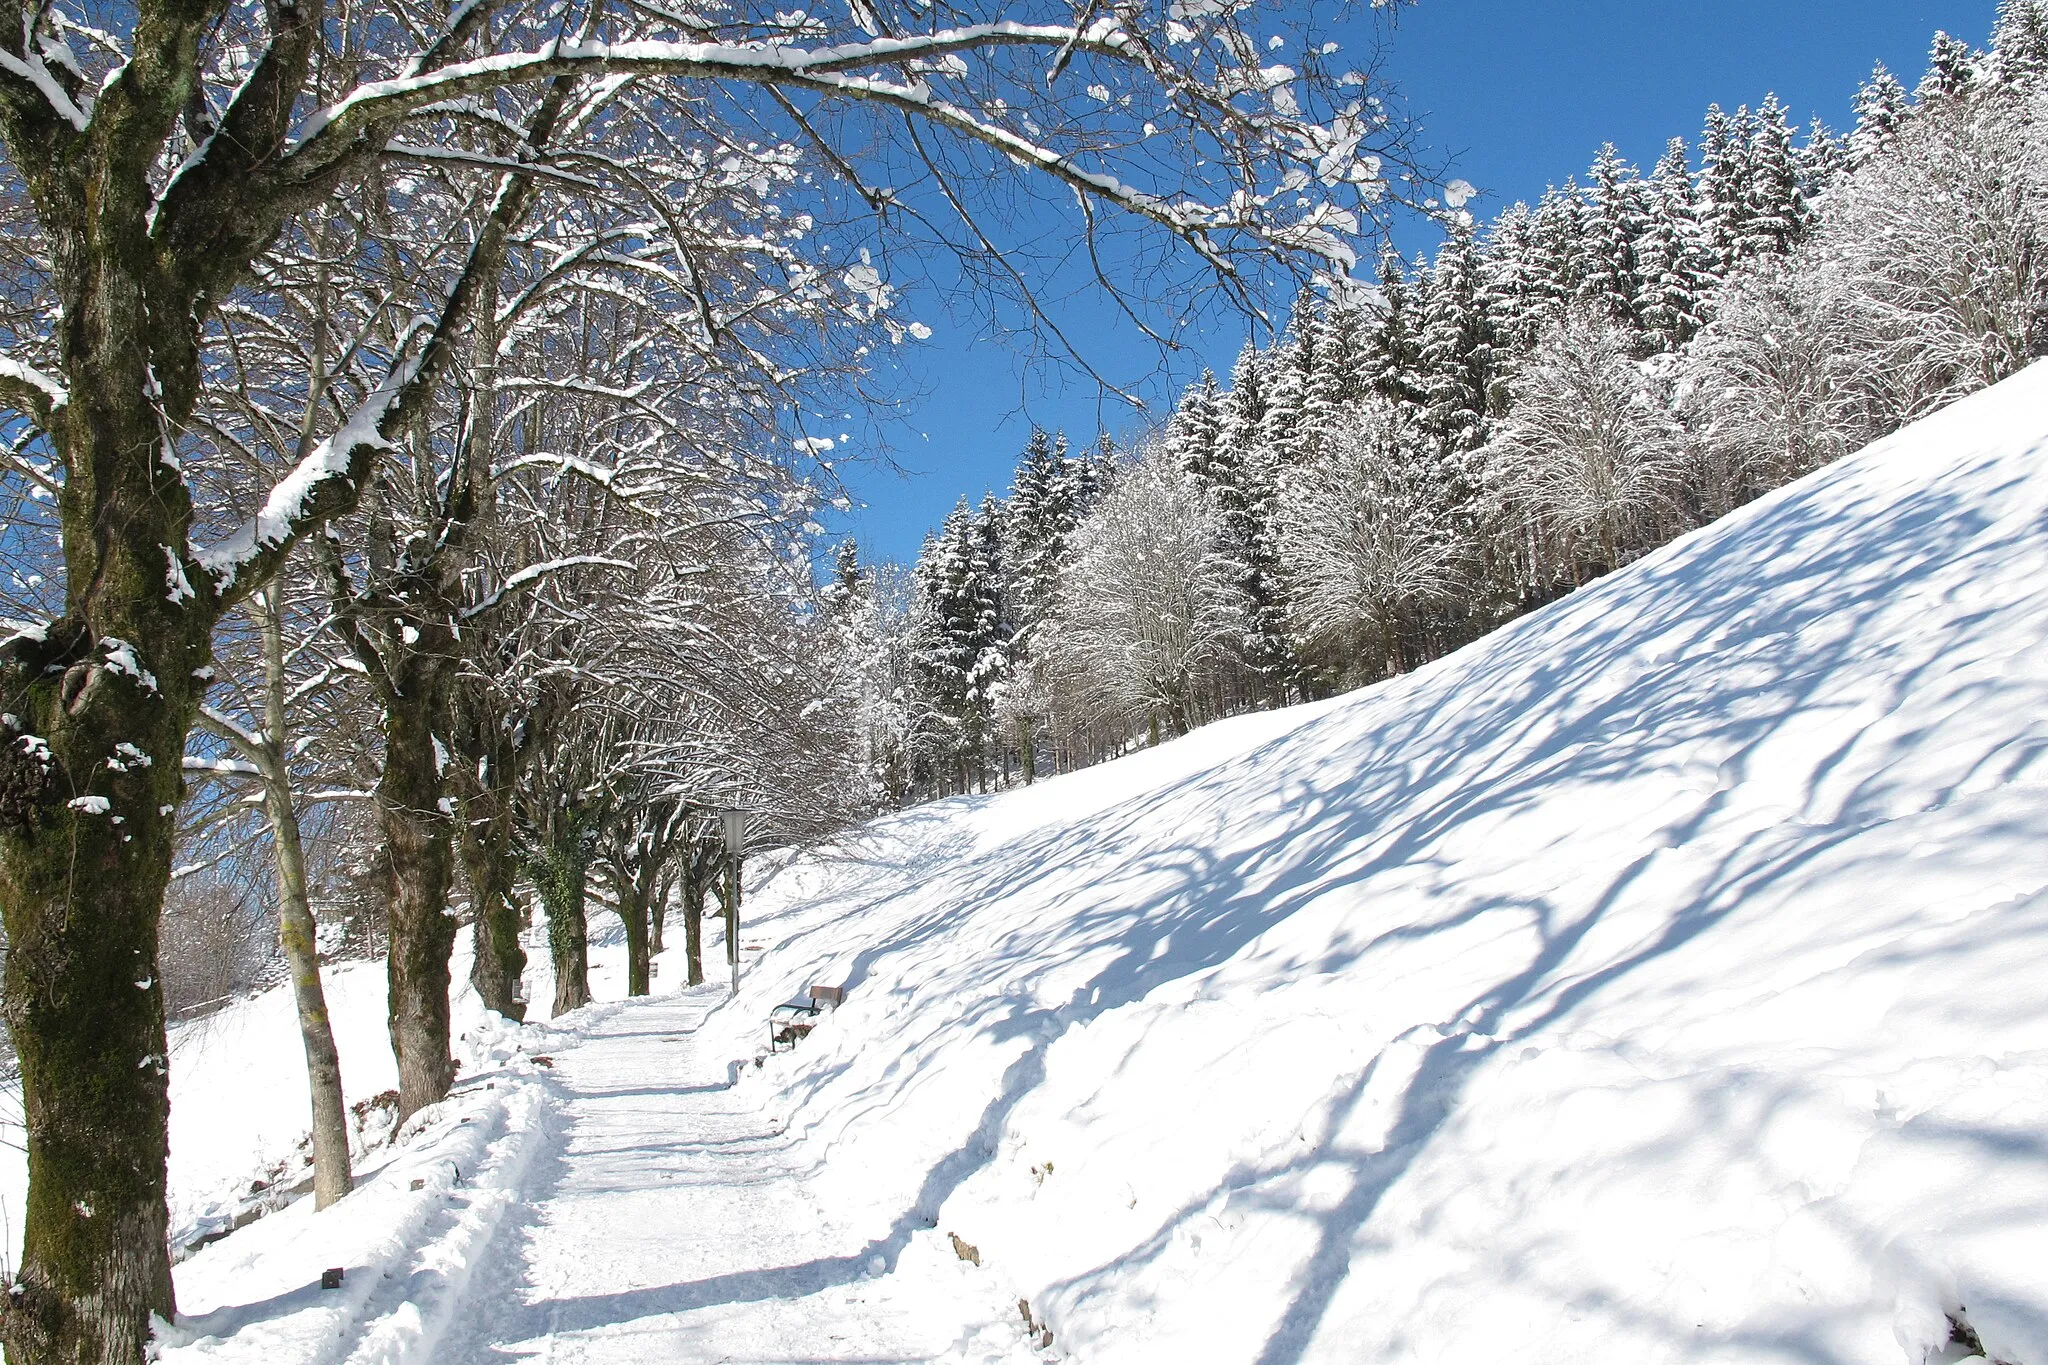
835	996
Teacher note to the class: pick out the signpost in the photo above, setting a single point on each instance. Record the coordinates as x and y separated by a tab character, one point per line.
734	819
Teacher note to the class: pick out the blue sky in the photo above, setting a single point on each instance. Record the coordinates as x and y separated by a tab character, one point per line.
1520	93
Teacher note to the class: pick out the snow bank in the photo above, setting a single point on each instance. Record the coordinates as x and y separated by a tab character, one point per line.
239	1105
1652	981
407	1239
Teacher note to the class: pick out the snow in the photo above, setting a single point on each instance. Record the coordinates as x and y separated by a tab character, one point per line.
121	659
1647	982
19	373
1652	981
285	506
31	69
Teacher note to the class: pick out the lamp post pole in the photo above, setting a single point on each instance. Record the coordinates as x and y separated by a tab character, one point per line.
735	822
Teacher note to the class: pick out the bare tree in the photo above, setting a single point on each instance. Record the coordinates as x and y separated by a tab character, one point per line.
1365	531
1589	452
1151	607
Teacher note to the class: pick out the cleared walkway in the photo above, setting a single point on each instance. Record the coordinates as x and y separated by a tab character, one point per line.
665	1219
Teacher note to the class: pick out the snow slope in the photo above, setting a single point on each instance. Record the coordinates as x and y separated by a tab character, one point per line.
1655	980
1648	983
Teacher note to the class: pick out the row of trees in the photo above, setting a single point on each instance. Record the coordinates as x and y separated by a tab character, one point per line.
1547	398
406	424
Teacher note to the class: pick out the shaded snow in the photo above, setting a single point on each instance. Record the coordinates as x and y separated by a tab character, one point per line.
1650	981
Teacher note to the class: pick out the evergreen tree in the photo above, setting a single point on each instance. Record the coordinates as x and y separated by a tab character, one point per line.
1723	192
1393	348
1244	407
1286	369
1045	506
1823	157
994	620
1882	106
1615	213
2019	42
1337	378
1671	256
1458	362
1776	216
1241	485
1951	70
961	652
1557	262
847	577
1507	280
1196	425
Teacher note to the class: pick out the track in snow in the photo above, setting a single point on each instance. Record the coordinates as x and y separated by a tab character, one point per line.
665	1218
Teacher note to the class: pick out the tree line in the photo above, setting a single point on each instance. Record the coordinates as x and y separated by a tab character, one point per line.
1548	397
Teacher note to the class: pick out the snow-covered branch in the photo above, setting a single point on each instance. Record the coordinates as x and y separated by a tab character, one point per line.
31	70
533	574
29	391
766	63
321	482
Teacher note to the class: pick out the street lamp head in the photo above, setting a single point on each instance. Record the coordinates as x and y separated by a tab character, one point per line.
735	822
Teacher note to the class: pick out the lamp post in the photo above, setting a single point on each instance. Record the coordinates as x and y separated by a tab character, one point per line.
734	821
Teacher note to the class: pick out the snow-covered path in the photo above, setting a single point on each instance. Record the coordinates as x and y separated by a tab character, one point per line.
665	1218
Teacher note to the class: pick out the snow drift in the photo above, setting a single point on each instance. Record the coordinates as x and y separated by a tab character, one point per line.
1655	980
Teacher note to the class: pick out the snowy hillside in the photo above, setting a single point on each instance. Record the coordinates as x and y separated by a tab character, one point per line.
1654	981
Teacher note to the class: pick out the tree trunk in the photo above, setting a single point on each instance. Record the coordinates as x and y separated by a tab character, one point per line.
561	873
693	916
656	921
633	913
84	1003
419	867
487	859
297	931
99	705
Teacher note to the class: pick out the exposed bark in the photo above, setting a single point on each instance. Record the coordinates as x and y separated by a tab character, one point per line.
419	867
500	961
487	860
81	895
86	852
696	873
298	933
633	911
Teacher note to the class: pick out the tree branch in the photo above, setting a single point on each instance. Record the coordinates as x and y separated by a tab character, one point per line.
30	392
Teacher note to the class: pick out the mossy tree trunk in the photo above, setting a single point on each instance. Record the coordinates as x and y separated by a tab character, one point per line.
297	931
415	817
557	859
83	866
100	702
488	763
